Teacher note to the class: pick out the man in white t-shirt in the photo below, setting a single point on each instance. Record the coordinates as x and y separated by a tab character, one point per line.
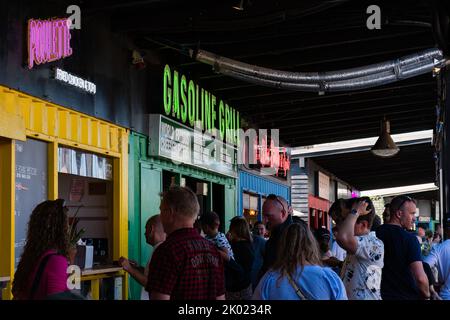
361	272
154	236
440	257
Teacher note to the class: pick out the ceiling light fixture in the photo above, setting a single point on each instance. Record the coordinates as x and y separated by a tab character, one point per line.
385	147
240	6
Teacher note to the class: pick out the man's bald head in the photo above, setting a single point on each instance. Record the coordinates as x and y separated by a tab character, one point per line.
154	230
155	222
275	211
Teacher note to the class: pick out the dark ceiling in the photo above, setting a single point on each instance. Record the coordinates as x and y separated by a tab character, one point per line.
296	36
303	36
412	165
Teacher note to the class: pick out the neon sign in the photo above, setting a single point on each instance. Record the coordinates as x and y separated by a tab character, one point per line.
187	101
48	40
75	81
273	157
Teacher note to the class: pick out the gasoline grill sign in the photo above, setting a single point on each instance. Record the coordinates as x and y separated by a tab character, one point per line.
48	40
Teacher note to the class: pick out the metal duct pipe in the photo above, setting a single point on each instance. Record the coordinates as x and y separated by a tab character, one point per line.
221	64
378	79
358	83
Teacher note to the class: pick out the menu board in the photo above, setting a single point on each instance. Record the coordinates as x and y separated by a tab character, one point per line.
181	144
84	164
323	185
31	186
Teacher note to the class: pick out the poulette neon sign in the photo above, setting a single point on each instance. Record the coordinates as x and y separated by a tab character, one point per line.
48	40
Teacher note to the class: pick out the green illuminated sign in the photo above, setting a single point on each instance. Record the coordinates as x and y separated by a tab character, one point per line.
186	101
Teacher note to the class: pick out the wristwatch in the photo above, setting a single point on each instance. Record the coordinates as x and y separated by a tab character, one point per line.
354	212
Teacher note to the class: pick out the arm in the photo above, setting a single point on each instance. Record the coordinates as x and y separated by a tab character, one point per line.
419	275
346	237
137	275
134	271
155	295
135	265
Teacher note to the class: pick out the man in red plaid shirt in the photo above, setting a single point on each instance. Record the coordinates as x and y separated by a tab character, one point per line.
186	266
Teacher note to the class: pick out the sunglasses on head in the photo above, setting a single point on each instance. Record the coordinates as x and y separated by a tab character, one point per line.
405	198
276	198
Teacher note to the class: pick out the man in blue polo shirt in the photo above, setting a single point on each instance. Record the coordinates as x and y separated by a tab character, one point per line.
403	277
439	257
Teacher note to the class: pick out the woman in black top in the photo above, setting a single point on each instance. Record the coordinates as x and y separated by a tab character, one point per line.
238	271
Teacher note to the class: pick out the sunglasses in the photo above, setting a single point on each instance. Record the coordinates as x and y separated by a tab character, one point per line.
405	198
276	198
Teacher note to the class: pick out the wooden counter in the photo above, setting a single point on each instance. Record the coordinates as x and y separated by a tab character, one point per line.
97	273
100	270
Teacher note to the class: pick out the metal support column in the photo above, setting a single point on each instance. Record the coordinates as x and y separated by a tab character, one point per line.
445	155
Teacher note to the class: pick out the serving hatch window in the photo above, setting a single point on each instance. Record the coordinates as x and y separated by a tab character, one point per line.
85	183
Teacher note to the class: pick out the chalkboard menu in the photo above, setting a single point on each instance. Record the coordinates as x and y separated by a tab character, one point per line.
31	186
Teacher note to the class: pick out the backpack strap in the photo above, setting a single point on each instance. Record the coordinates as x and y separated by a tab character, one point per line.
38	276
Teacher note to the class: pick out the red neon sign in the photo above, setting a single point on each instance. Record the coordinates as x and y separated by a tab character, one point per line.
273	157
48	40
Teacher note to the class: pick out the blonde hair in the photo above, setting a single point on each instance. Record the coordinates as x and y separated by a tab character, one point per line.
297	247
182	201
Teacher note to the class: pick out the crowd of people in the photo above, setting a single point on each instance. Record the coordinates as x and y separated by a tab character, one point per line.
279	258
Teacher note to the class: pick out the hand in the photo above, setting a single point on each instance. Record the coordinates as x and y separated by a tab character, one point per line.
435	296
133	263
125	263
361	208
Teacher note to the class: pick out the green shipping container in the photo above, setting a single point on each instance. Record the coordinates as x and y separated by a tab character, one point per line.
149	176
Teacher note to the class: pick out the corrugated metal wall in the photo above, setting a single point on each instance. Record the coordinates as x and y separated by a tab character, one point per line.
262	186
299	192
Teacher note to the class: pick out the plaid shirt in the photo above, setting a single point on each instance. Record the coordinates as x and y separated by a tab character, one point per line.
187	267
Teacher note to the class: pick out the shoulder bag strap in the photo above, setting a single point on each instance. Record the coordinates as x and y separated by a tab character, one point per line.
37	277
298	291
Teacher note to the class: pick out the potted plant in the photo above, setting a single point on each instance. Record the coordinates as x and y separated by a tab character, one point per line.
74	236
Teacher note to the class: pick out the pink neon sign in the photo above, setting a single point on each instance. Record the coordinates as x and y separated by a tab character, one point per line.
48	40
273	157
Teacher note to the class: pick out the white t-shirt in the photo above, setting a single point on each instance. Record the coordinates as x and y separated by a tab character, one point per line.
362	270
338	252
144	293
440	257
